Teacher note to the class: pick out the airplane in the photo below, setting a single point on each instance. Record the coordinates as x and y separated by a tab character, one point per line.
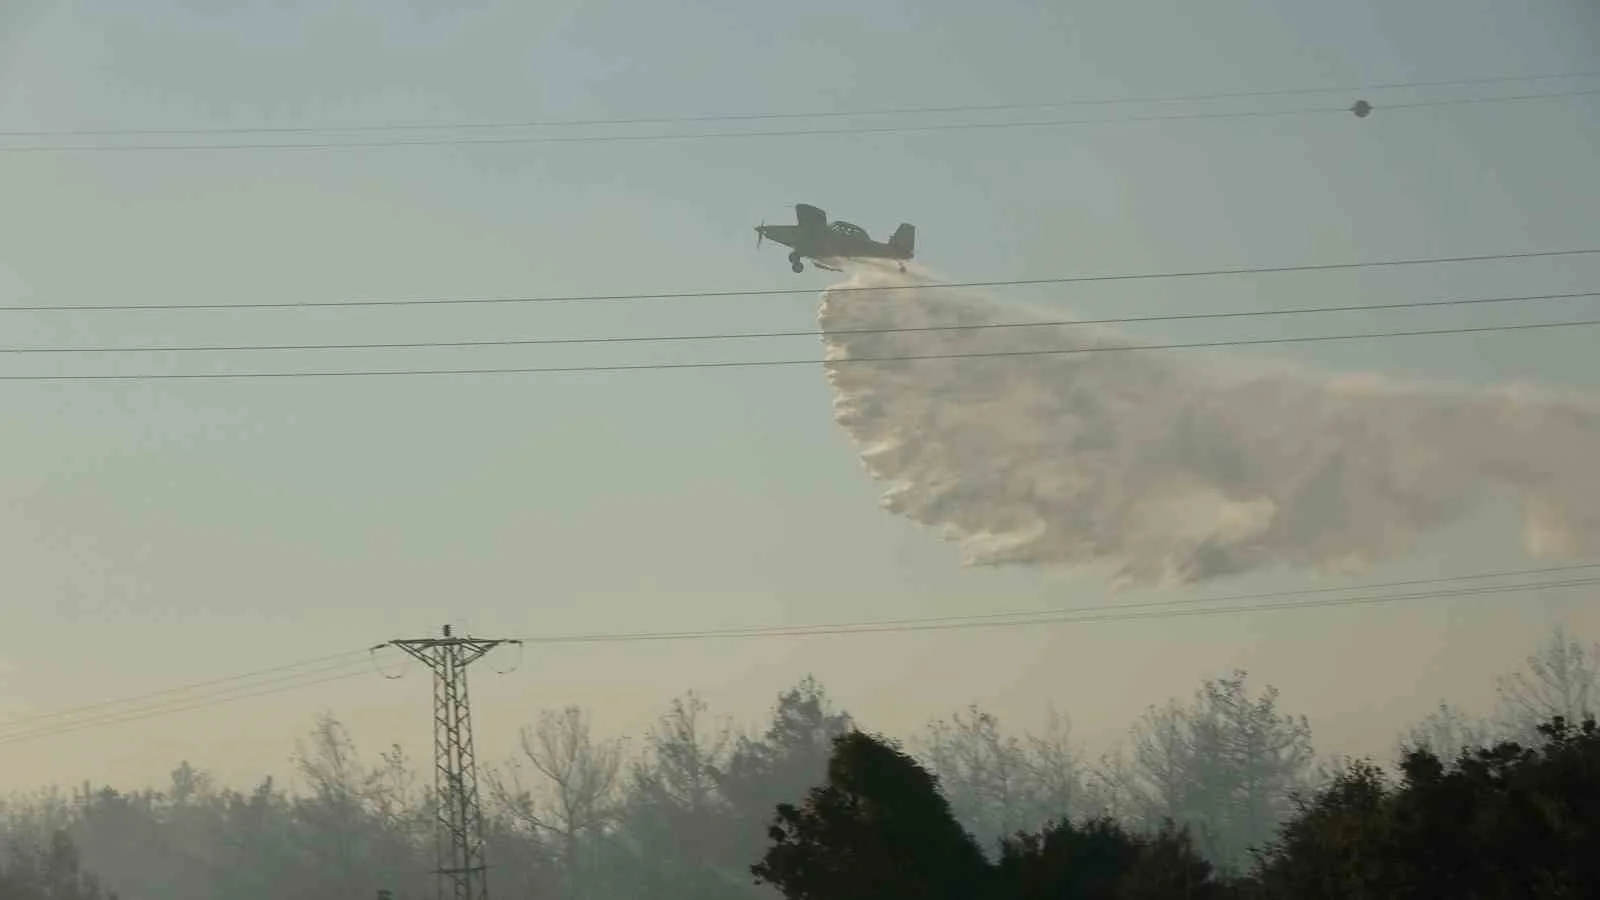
814	238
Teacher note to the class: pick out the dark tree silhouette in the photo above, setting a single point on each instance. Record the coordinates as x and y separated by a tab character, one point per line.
1100	860
1326	850
877	830
781	765
880	829
1066	861
1500	822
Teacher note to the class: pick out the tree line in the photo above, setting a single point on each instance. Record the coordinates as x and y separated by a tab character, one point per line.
1208	784
1511	820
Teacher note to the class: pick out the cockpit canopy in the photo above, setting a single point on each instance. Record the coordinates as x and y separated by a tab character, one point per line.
849	229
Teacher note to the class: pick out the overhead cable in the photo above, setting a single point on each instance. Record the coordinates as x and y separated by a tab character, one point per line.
184	688
773	363
812	291
171	708
1078	615
820	114
1360	594
659	137
836	332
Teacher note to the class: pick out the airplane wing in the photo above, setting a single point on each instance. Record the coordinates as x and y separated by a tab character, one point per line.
810	218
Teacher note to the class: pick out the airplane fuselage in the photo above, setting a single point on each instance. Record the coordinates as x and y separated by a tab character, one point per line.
830	246
816	239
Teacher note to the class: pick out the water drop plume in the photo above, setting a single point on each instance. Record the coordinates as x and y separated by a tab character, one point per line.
1178	467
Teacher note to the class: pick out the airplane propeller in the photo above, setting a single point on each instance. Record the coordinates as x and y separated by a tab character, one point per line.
761	232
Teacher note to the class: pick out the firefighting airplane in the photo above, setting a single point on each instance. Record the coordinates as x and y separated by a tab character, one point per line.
814	238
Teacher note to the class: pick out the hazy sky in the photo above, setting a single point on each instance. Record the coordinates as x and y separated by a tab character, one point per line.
159	533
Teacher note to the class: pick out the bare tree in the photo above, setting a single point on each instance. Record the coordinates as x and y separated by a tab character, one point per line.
402	815
1267	755
1158	777
579	795
1562	679
982	772
331	764
684	757
1228	766
334	810
1446	732
1108	788
676	822
1054	773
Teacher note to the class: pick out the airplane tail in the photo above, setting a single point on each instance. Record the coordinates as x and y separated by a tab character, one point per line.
904	239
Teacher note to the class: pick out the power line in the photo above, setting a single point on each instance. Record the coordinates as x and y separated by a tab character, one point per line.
828	114
1240	603
246	676
768	133
790	292
772	363
287	680
1080	615
603	637
175	696
646	339
171	708
1457	101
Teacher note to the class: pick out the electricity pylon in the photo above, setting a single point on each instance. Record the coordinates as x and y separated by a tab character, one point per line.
459	822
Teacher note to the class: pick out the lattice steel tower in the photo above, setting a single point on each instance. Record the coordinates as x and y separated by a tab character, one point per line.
459	824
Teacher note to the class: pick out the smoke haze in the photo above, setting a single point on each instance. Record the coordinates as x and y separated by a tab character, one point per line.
1177	467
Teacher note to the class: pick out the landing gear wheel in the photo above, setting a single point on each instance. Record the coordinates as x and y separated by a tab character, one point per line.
795	263
902	268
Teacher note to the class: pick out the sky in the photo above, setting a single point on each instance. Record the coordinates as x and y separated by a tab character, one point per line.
160	533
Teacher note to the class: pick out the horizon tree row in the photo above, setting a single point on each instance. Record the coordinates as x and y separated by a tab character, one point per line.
573	816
